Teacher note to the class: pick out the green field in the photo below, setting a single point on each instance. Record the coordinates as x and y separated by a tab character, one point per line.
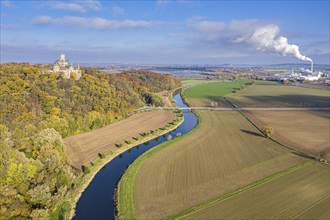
187	82
280	96
224	154
214	92
264	82
301	194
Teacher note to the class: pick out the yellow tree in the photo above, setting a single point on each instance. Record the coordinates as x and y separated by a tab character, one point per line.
267	130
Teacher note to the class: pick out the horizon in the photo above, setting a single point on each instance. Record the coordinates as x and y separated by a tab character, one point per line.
165	32
175	64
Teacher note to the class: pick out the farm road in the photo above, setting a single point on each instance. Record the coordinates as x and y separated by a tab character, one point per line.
232	109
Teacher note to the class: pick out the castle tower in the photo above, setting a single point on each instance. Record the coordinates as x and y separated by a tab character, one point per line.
62	57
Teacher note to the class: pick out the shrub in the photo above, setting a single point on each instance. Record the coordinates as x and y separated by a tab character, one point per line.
119	145
267	130
86	169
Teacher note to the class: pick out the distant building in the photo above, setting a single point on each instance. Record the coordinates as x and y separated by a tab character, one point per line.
63	66
305	74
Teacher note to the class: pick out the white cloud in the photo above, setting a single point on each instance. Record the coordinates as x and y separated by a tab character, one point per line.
43	20
117	11
222	31
200	25
7	3
162	3
263	36
165	3
9	27
92	4
97	23
68	6
75	6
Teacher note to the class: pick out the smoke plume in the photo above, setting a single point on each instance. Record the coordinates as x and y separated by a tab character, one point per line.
266	39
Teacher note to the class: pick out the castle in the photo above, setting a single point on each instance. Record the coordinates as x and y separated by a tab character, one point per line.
62	66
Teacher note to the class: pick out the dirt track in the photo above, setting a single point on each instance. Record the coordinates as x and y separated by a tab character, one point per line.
164	96
84	148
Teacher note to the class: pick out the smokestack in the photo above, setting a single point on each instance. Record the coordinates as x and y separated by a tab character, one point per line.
312	67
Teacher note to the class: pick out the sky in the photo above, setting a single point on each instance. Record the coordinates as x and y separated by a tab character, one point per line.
165	32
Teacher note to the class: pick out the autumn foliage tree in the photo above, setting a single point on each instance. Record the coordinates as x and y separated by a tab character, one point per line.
39	109
267	130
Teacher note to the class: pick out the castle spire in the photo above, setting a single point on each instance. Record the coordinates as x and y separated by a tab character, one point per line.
62	57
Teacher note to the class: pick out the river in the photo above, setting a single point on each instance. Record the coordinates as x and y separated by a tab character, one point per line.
97	201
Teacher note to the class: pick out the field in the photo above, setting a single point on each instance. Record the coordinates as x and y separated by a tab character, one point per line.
308	131
281	96
301	194
213	92
187	82
224	154
84	148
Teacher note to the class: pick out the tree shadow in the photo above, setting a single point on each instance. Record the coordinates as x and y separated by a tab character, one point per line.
300	154
251	133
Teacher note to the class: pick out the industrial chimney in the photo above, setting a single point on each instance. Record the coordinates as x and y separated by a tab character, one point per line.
312	67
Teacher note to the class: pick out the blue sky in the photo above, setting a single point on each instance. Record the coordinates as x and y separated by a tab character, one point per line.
165	32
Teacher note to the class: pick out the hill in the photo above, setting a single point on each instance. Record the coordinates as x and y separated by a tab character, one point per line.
38	110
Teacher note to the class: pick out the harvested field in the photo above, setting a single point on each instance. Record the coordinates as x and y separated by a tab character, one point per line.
84	148
308	131
281	96
204	95
224	154
301	194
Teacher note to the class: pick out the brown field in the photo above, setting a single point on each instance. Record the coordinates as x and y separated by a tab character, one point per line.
302	194
308	131
280	96
84	148
224	154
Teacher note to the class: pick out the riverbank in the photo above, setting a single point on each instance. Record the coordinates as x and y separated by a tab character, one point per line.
84	179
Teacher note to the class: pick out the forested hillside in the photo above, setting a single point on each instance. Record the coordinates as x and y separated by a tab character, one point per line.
38	110
146	83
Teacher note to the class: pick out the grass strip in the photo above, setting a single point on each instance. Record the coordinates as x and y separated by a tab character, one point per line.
125	201
234	193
